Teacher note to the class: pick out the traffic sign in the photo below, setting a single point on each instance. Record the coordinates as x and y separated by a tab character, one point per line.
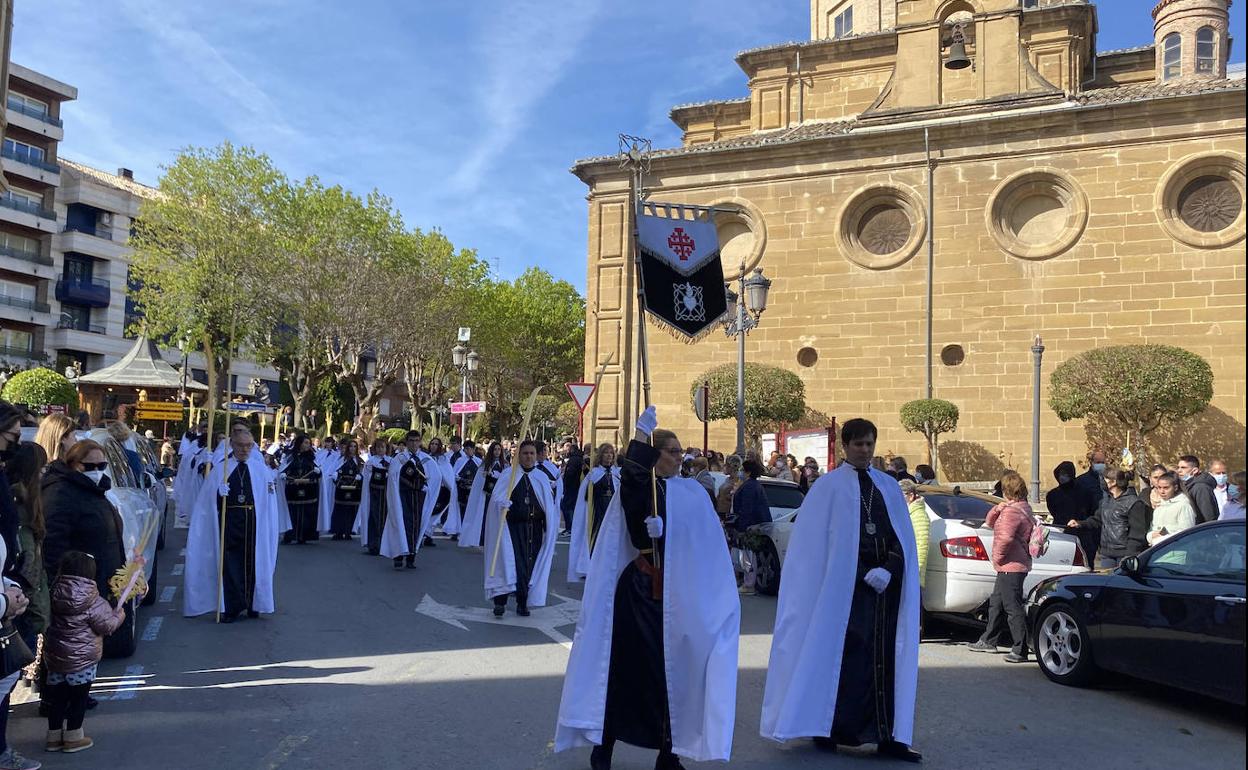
581	393
702	401
467	407
158	410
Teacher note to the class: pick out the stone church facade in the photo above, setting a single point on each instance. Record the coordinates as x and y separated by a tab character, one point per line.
1089	197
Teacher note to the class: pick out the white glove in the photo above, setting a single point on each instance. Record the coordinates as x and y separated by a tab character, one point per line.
282	476
654	525
334	477
358	477
224	490
648	421
504	504
878	578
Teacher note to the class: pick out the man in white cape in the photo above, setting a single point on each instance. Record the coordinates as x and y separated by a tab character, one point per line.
654	659
451	518
372	516
245	584
845	652
411	490
490	468
592	500
521	526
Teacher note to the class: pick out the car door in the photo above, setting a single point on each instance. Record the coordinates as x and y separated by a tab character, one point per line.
1180	619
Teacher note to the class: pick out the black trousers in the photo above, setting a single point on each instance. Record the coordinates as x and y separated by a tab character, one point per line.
376	518
239	564
1005	608
67	705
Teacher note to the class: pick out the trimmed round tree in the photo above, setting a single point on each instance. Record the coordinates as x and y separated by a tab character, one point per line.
1136	386
566	415
40	387
931	417
773	397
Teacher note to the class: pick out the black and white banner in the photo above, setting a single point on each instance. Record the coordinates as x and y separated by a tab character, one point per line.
680	268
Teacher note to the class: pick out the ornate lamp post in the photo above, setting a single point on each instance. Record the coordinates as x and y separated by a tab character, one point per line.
1037	354
465	362
750	300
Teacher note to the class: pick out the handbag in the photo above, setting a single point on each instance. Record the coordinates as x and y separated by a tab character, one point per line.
14	654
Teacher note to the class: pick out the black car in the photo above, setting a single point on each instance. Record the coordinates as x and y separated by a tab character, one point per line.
1172	615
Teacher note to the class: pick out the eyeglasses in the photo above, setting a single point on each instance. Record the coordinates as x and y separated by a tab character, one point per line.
94	466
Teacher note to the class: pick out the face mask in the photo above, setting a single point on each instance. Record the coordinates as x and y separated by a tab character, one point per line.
1220	478
95	476
1063	480
1232	492
1098	467
1185	475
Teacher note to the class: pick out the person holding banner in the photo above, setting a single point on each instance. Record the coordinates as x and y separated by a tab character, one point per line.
519	555
660	582
845	652
592	500
411	490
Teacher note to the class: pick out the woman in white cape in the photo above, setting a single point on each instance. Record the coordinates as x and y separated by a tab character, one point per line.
504	576
584	531
472	534
396	542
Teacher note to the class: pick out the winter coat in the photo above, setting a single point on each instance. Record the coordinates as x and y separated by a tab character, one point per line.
81	618
922	533
1174	516
80	518
1123	525
750	506
1092	487
1011	523
1200	491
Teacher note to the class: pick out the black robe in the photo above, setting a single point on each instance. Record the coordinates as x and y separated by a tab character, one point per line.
864	697
463	482
488	491
347	493
303	494
412	491
603	490
526	527
377	505
238	564
636	708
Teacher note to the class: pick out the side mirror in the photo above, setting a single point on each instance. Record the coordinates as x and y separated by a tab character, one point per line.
1130	565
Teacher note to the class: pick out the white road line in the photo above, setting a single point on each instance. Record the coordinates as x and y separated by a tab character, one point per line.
152	628
166	594
125	689
177	569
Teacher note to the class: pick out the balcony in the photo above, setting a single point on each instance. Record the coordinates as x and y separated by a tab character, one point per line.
92	292
40	115
92	231
23	354
96	244
33	257
27	165
25	304
88	328
30	263
28	207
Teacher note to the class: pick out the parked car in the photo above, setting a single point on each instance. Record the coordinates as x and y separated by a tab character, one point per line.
783	498
959	574
1173	615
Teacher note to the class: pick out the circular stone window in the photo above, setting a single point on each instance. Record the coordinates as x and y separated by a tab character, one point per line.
1201	201
1037	214
807	357
952	355
881	226
742	235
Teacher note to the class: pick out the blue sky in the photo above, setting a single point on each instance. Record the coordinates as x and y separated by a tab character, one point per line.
468	114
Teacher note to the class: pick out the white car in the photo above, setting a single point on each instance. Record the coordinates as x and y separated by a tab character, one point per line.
959	574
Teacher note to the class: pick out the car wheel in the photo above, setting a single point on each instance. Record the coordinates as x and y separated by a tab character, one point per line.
767	570
152	576
122	642
1063	647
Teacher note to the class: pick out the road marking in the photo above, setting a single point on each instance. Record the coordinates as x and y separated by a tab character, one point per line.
152	628
124	688
544	619
177	569
166	594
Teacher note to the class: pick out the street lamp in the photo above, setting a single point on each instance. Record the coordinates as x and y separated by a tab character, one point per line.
1037	354
465	362
750	298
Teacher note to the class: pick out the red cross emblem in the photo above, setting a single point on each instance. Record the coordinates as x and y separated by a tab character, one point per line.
680	243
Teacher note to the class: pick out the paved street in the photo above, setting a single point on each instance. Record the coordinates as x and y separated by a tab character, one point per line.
349	674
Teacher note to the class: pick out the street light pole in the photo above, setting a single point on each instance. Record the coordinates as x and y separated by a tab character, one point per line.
741	366
1037	354
752	297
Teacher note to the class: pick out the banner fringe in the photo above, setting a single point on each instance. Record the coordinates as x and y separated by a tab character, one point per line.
680	334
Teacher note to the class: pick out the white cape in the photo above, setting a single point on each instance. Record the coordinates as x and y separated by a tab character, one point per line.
474	516
325	502
394	536
504	578
578	546
366	496
185	484
701	629
201	588
813	610
453	522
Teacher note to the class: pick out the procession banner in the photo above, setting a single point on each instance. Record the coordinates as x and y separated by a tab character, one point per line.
681	270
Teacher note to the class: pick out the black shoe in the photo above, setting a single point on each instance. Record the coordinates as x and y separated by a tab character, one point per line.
227	618
398	563
428	541
373	552
523	612
600	757
667	761
454	538
253	614
824	743
91	703
896	750
499	609
410	564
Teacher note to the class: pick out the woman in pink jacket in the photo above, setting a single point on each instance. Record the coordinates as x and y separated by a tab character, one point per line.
1012	522
72	649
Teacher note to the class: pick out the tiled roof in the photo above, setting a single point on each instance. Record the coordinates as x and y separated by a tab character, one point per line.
811	130
1136	92
115	181
142	367
710	103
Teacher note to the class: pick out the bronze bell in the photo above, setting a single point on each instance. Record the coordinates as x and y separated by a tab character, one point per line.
957	59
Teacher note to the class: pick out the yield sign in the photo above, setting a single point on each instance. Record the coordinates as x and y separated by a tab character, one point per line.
581	392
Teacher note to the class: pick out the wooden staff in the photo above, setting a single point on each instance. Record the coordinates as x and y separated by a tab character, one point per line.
511	482
225	471
593	441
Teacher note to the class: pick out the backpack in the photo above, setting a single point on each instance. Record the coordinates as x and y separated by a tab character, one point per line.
1038	543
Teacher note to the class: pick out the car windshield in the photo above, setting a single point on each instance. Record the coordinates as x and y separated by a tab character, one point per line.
957	506
783	496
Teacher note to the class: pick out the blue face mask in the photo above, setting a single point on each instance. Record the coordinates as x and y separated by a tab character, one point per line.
1098	467
1220	478
1232	492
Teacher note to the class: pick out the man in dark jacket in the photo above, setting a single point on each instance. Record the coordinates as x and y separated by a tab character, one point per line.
1067	502
1199	487
1121	523
1090	483
573	474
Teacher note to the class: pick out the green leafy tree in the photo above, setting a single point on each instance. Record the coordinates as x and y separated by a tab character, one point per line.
566	418
202	253
40	387
1136	386
774	397
931	417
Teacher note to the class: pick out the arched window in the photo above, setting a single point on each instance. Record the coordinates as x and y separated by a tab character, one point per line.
1171	56
1204	49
